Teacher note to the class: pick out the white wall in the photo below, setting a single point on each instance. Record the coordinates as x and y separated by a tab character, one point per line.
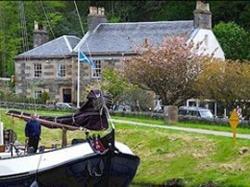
209	43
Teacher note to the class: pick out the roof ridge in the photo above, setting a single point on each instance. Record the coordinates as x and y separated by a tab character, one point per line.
67	43
81	41
149	22
73	36
44	44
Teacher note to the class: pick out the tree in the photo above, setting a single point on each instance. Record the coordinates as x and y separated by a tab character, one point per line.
44	97
237	11
123	91
114	83
234	40
225	81
16	28
169	69
9	37
139	99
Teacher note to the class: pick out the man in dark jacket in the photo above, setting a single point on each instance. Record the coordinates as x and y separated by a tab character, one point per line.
33	132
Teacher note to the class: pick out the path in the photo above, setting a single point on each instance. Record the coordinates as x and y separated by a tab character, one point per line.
194	130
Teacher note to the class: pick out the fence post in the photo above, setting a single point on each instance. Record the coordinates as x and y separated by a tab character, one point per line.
171	113
64	137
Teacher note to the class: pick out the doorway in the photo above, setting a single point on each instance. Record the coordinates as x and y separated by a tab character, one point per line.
66	95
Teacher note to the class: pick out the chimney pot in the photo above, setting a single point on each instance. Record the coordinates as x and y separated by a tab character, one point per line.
95	17
103	11
99	11
202	5
92	10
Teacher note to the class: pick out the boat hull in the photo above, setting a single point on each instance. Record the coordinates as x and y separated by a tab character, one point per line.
111	169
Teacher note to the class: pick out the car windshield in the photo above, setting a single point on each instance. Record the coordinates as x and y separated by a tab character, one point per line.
206	114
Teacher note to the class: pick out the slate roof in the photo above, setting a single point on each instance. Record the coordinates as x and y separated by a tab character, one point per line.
58	48
118	38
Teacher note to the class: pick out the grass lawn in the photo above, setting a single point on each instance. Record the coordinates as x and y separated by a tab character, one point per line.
166	154
198	159
152	121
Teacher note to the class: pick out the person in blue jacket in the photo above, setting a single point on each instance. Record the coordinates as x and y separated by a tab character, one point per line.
33	132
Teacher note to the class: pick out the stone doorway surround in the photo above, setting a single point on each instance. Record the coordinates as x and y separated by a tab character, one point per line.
66	94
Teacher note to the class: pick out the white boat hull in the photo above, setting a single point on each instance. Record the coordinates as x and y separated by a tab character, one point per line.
77	165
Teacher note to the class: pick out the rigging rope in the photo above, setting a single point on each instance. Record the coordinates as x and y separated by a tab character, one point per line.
46	12
79	17
47	19
25	42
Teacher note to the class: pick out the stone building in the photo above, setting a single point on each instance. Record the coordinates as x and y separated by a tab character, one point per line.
52	66
48	67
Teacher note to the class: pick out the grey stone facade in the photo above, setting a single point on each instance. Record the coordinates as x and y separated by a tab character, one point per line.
49	68
49	81
27	84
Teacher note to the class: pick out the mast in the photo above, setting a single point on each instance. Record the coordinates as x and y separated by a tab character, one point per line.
78	78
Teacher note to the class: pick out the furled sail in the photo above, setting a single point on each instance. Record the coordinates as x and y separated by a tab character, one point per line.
92	115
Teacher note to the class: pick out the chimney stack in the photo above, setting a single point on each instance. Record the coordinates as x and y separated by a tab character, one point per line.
40	34
95	17
202	15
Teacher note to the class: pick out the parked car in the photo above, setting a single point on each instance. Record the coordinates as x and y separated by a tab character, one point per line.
122	108
198	112
62	105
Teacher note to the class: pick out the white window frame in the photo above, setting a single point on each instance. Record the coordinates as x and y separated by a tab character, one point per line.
38	70
61	70
37	94
96	69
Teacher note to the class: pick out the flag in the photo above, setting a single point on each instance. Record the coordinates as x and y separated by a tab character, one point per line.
83	58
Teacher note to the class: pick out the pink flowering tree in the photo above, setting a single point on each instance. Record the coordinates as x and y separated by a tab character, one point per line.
169	69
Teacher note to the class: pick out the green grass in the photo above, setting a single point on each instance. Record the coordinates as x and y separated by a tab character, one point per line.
216	127
166	154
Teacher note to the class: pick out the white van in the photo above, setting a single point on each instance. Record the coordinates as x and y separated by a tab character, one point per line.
196	112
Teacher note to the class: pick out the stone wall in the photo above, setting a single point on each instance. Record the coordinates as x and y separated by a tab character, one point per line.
27	83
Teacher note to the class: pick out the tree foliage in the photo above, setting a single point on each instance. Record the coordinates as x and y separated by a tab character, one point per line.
225	81
114	83
234	40
169	69
124	92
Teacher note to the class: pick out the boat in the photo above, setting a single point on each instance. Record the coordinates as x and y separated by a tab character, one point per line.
97	161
